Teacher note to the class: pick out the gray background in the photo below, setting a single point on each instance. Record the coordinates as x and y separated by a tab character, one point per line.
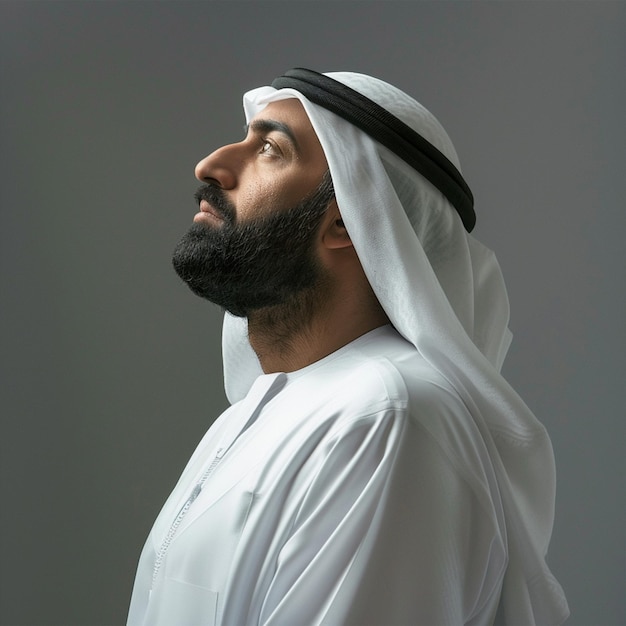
111	369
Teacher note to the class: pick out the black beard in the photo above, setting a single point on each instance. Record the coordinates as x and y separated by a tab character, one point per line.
263	262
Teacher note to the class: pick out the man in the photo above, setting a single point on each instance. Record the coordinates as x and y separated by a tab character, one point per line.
374	467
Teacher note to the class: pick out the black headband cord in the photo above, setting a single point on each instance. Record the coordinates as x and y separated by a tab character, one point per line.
389	131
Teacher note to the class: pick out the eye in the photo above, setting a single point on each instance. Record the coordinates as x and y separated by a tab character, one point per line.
269	148
266	146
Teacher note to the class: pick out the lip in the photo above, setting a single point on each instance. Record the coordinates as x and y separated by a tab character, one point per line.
207	212
205	207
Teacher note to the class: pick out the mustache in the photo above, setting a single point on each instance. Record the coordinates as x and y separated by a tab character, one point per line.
216	197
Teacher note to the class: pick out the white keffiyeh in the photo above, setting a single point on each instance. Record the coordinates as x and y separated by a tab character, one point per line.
443	291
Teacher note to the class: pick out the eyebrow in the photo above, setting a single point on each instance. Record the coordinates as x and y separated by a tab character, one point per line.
267	126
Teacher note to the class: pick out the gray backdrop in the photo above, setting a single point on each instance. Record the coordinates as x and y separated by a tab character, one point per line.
111	369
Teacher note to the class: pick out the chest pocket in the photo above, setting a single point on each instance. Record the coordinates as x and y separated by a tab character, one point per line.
182	604
202	552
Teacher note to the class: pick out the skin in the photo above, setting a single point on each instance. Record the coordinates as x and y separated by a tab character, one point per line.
280	162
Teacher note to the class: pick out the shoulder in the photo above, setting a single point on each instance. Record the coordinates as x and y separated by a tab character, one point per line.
387	364
379	376
378	370
434	414
381	382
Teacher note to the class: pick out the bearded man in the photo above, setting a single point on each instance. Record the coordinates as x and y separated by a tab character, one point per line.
374	466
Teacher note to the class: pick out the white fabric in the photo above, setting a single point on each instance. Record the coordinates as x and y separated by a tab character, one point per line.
355	491
443	291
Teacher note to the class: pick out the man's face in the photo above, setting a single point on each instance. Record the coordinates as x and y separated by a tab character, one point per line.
253	242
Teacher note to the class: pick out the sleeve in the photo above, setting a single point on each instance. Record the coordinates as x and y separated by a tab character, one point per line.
387	533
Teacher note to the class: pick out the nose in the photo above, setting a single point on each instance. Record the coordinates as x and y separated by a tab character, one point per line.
218	168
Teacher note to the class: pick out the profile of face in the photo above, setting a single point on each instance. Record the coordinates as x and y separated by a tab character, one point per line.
253	243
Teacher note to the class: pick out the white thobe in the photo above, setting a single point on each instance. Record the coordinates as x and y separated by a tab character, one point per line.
354	491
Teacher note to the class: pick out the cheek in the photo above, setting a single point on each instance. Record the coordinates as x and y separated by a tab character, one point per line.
261	198
255	201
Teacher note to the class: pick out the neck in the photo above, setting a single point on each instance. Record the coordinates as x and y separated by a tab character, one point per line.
310	326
